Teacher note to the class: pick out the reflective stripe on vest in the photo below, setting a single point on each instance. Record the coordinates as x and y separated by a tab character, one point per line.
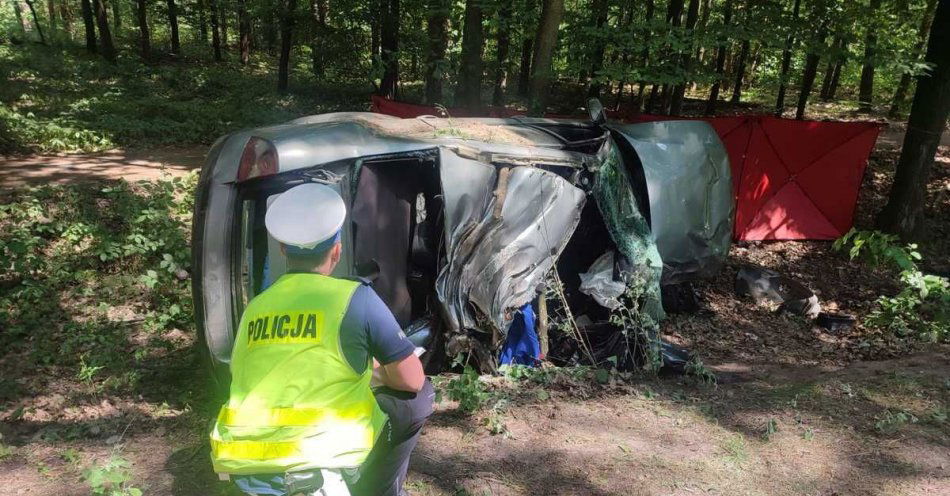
295	402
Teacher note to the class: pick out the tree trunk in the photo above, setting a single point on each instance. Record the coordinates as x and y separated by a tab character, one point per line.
645	61
173	26
623	56
720	64
105	36
469	91
215	33
527	47
866	90
501	54
286	43
144	38
524	70
599	13
18	10
375	7
66	13
319	10
811	70
202	8
679	92
835	79
674	17
244	32
904	211
835	55
551	13
438	43
651	101
36	21
389	48
51	12
89	25
901	94
223	22
116	17
787	60
740	72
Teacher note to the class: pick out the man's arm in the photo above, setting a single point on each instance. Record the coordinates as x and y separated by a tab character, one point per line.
394	363
402	375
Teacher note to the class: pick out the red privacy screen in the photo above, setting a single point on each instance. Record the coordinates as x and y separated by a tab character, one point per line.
792	179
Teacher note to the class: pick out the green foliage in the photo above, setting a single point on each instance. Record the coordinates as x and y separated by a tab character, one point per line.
890	422
922	306
66	248
543	376
877	248
112	478
495	419
70	456
469	390
736	450
60	99
696	368
5	451
771	428
20	132
638	328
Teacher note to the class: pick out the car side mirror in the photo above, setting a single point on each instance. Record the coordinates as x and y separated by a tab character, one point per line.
595	110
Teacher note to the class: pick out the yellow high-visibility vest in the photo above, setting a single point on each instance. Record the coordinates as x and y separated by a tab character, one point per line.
295	402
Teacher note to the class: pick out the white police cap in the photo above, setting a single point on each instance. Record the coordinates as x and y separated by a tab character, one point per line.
306	216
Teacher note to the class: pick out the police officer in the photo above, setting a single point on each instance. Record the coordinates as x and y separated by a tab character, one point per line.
304	357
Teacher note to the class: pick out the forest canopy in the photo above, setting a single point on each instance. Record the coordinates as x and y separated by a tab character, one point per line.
648	55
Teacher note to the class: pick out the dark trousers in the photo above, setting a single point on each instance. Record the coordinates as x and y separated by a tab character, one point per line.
384	471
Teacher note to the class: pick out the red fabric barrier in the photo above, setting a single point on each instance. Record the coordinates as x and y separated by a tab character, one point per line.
792	179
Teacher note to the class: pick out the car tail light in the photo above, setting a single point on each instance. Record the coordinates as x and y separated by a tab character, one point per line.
259	159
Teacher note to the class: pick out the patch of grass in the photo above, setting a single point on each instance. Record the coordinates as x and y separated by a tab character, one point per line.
735	448
6	451
770	429
792	394
70	456
890	422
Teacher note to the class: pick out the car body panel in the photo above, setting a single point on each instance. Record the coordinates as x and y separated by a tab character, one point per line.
512	193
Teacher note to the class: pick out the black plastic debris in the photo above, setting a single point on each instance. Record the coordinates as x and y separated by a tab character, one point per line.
614	348
835	322
675	358
766	285
680	298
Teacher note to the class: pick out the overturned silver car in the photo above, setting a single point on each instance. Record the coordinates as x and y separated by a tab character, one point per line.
459	223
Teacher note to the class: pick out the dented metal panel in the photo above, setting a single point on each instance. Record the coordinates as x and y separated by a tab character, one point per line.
505	229
689	184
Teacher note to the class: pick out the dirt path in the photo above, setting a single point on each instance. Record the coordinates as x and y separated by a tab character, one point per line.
892	136
131	165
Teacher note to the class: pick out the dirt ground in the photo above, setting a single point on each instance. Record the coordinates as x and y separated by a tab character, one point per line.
767	429
131	165
798	410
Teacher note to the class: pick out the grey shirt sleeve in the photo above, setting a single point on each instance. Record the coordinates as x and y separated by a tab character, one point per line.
370	330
